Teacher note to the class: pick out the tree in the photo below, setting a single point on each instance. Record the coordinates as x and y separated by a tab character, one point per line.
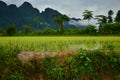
26	28
101	20
117	18
49	31
59	19
2	32
87	15
111	28
90	29
11	30
110	13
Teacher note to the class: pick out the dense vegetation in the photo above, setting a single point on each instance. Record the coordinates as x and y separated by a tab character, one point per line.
86	64
105	29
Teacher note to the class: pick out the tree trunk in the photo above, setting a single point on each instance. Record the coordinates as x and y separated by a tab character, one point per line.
61	29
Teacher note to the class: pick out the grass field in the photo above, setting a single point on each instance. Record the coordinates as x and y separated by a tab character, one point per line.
56	44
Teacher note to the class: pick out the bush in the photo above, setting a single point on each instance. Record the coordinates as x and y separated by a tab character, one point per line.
90	29
84	65
10	66
110	28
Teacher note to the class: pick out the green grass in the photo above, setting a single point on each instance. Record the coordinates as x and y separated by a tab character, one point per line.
56	44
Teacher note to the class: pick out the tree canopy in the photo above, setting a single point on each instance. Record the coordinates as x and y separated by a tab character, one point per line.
110	13
117	18
87	15
59	20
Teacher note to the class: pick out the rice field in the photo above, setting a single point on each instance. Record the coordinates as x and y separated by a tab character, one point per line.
56	44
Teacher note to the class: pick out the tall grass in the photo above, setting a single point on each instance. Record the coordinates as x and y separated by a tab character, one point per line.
56	44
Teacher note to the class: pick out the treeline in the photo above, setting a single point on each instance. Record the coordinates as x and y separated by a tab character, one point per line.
107	26
11	30
106	29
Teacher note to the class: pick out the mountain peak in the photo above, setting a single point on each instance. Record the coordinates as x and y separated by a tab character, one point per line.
76	19
12	6
49	9
26	5
2	3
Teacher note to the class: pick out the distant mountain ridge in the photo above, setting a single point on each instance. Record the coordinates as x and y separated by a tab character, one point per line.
26	14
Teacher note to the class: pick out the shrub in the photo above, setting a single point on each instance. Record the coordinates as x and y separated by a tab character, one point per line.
83	65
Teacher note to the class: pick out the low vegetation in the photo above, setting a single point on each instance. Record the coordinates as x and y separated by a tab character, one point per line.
84	65
56	44
89	30
67	58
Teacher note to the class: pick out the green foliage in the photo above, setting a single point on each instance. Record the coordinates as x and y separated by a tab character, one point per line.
48	67
110	20
104	29
90	29
2	32
111	28
49	31
87	15
110	13
26	28
101	19
11	30
84	65
59	20
117	18
76	31
10	66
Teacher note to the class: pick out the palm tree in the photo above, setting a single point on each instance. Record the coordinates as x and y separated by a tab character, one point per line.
101	20
110	13
117	18
87	15
59	19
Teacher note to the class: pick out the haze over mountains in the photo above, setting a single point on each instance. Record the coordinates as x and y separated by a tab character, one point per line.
26	14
